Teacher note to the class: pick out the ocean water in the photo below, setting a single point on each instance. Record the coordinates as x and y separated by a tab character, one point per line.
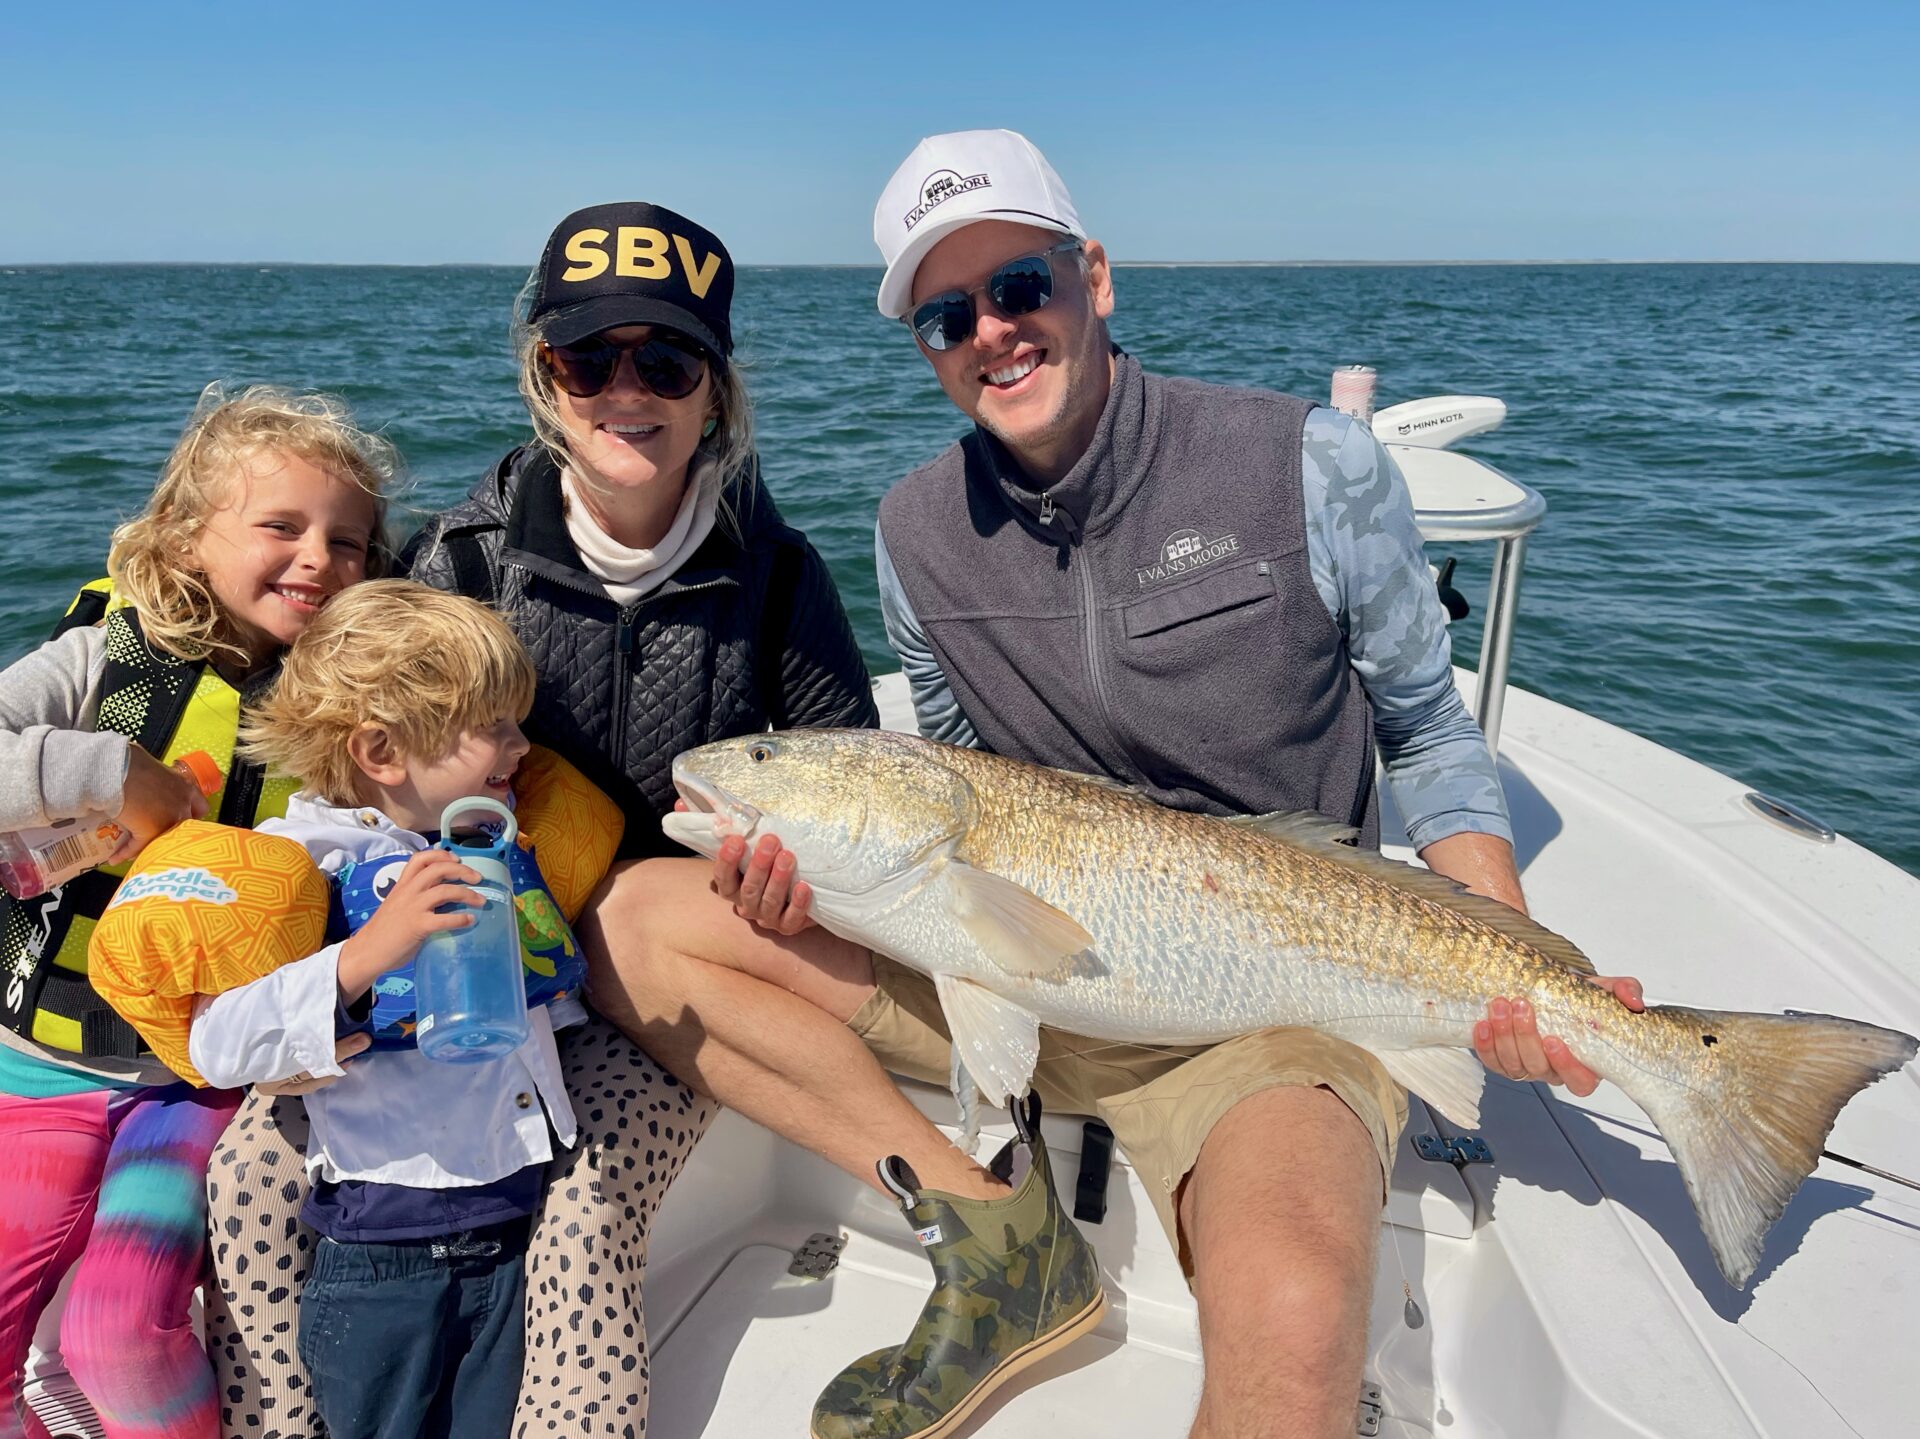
1730	565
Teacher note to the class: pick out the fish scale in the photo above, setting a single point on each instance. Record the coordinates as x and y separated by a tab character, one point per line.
1225	965
1035	897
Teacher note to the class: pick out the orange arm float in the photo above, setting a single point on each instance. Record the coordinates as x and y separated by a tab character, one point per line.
573	828
206	907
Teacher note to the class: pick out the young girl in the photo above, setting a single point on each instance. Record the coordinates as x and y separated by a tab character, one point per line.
270	504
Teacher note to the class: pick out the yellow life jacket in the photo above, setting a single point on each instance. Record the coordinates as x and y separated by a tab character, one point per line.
169	707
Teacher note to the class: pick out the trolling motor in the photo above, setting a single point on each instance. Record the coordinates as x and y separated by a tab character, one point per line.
1438	423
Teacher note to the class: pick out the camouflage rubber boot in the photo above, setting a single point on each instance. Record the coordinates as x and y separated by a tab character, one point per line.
1013	1282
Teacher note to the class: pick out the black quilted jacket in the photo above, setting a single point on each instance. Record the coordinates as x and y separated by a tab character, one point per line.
742	637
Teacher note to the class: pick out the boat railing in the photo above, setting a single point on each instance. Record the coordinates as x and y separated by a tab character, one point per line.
1461	500
1458	500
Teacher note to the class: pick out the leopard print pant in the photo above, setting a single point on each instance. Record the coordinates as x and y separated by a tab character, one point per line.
586	1367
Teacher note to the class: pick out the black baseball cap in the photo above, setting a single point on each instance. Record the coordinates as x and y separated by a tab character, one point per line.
631	263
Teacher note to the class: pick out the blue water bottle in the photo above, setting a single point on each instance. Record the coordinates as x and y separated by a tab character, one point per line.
468	985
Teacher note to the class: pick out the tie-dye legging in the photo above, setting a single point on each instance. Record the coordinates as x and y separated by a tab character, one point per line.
115	1179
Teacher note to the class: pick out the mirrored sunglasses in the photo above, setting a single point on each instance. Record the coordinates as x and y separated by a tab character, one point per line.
1018	287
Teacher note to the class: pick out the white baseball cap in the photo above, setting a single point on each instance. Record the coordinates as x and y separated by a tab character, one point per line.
948	182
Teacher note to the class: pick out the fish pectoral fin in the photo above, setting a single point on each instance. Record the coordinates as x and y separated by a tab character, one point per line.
1019	931
995	1039
1448	1079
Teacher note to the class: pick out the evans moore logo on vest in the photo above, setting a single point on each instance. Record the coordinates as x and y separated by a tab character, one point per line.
1184	552
940	187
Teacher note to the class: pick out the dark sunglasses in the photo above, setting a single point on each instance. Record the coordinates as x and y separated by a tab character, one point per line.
1018	287
668	365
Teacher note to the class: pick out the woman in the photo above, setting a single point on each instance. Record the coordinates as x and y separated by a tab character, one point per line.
665	604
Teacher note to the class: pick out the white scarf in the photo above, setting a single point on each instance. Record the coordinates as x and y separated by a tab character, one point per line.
628	573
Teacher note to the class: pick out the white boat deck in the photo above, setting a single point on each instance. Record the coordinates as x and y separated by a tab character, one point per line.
1565	1289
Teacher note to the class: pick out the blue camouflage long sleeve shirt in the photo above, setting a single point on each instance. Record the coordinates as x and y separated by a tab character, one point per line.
1370	569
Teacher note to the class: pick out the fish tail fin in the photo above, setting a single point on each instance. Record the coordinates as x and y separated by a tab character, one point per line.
1746	1123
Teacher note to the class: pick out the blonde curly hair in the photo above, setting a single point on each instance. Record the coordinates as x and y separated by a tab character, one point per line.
424	665
152	557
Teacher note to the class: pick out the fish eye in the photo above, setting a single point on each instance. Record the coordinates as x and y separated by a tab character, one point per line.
384	882
760	753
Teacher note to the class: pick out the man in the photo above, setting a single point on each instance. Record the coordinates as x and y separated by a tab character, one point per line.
1217	596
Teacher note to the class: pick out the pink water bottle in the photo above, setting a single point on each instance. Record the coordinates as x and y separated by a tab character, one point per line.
33	861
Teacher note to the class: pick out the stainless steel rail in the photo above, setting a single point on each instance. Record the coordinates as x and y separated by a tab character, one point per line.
1507	524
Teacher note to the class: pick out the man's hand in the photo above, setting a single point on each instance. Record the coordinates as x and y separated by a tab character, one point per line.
304	1083
407	918
1509	1042
154	798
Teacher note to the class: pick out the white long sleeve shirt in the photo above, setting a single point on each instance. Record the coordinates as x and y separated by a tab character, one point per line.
394	1116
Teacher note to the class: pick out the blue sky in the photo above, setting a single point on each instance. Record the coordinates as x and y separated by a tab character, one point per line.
420	133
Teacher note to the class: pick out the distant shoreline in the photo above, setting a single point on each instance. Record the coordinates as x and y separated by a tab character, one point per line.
14	266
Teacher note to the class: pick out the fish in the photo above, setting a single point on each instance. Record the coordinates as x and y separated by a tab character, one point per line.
1036	897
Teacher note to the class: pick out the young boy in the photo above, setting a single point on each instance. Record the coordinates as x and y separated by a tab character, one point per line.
397	701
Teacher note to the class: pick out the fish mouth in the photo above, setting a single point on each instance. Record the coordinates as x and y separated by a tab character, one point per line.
711	816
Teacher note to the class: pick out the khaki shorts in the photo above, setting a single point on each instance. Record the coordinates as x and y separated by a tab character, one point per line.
1161	1103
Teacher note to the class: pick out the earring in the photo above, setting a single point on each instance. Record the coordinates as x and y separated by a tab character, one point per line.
712	424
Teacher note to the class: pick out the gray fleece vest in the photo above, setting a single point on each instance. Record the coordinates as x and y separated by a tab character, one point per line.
1151	617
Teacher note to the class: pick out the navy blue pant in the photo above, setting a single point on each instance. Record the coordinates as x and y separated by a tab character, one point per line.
422	1338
